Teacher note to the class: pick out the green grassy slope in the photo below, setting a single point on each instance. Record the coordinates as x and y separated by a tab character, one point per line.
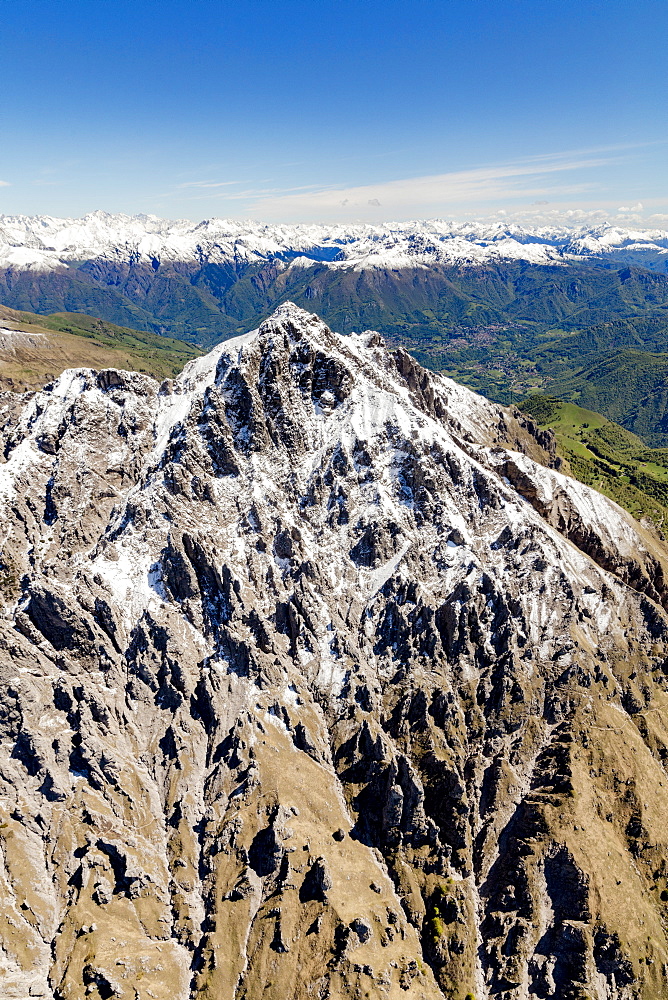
606	456
73	340
630	387
164	353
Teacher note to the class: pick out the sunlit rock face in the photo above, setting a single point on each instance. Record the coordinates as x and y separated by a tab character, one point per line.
320	680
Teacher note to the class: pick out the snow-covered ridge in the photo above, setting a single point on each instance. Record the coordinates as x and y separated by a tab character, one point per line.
48	243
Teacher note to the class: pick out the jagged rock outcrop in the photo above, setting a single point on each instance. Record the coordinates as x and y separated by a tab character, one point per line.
320	680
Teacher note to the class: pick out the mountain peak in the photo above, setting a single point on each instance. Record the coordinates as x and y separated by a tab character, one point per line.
315	650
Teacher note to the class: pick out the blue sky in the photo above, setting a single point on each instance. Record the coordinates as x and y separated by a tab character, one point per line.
335	110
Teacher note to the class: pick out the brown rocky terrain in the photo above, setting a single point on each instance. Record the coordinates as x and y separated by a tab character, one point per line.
319	680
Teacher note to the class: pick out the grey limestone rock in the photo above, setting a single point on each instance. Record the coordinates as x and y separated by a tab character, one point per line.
309	587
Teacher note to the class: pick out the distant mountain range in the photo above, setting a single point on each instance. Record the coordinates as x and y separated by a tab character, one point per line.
508	310
48	243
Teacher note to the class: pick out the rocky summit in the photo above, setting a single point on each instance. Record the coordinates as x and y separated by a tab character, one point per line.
320	680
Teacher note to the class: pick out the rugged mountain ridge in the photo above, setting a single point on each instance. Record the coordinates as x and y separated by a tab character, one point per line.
320	680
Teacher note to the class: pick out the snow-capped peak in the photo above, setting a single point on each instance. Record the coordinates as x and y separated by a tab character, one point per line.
47	243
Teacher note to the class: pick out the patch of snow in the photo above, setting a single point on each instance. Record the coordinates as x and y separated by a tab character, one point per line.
291	696
377	578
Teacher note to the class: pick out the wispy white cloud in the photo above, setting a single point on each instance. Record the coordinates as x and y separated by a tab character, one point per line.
206	184
533	178
248	195
583	182
5	184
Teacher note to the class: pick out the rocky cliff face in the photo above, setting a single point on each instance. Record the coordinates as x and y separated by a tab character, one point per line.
320	680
